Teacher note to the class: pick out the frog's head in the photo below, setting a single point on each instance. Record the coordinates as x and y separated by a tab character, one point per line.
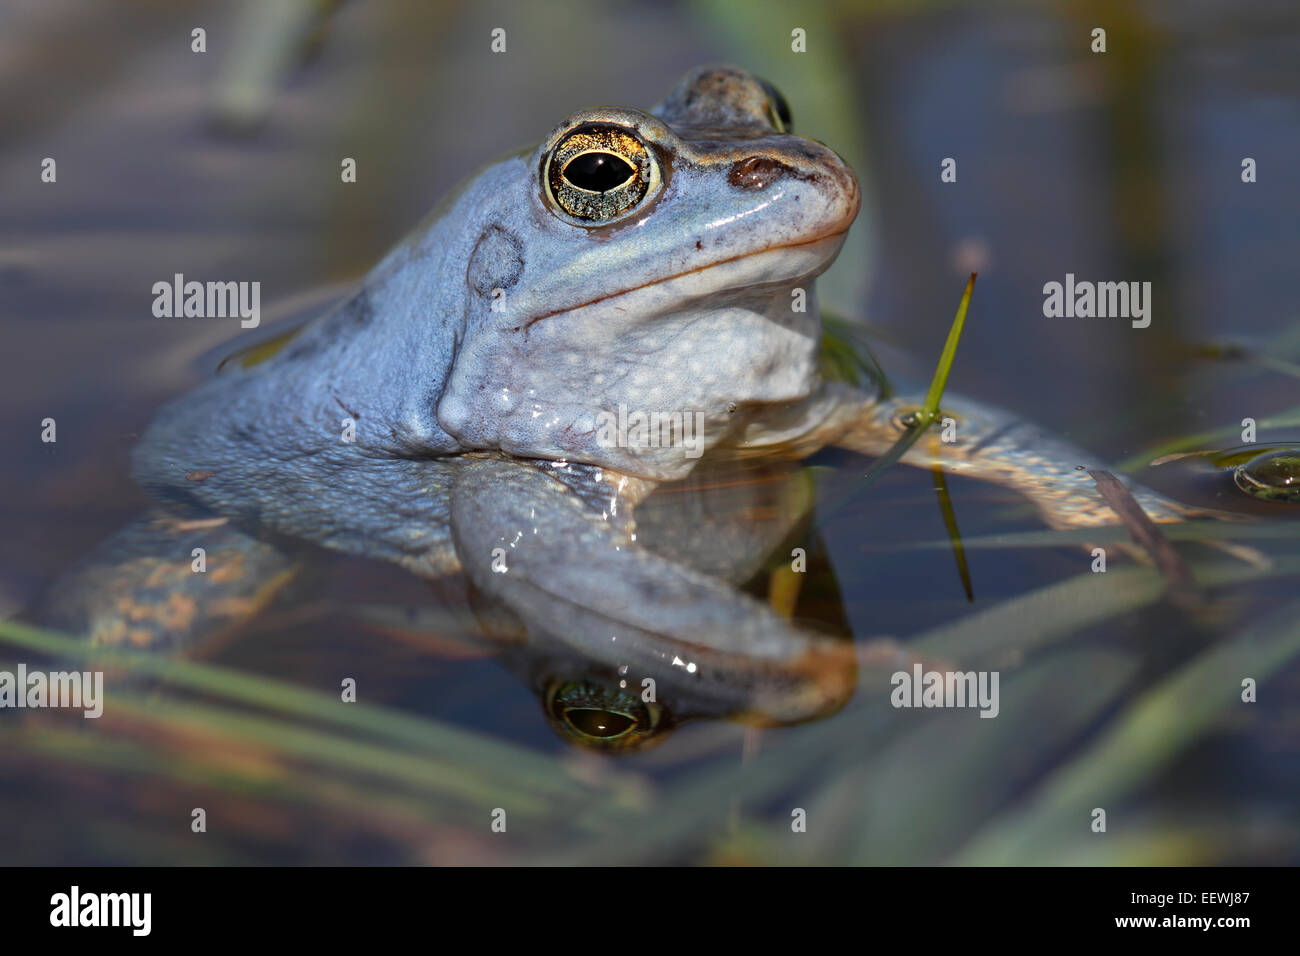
641	284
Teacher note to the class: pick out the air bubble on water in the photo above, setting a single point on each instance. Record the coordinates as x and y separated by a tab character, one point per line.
1274	476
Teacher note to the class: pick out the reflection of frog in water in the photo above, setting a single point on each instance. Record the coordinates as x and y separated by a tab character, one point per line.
454	414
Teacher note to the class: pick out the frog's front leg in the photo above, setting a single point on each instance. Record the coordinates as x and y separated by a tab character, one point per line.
562	554
994	445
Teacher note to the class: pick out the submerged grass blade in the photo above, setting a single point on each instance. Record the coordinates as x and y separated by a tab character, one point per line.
1104	534
449	781
1023	624
955	770
883	463
1277	365
1287	419
421	734
954	534
1143	739
1179	585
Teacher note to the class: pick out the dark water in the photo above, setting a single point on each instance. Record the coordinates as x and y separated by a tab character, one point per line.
1121	166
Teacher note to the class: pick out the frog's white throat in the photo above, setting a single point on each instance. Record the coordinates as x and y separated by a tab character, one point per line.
688	358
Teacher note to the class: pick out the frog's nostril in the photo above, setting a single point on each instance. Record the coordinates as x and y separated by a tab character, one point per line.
756	172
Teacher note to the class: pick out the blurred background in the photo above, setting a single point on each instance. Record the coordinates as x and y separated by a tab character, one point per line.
1117	166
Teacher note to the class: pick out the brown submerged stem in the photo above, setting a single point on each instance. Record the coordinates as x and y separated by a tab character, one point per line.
1180	586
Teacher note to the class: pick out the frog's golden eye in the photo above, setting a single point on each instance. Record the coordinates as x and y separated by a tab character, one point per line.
596	174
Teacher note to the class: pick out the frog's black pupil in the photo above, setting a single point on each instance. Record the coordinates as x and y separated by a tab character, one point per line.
597	723
779	105
597	172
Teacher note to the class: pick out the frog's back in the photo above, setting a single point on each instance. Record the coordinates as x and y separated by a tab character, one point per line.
338	415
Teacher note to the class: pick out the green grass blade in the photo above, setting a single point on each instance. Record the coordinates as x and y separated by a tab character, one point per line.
923	417
934	396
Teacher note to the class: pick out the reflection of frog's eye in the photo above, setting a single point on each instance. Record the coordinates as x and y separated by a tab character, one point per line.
602	718
597	173
778	110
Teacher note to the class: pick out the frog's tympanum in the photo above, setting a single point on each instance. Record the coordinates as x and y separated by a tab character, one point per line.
579	324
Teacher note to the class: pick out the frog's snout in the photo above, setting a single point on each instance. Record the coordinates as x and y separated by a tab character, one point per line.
808	166
815	165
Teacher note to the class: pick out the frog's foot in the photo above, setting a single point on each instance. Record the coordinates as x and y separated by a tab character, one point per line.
169	580
575	571
993	445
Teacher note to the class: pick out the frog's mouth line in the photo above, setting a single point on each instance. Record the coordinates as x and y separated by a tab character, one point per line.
827	238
